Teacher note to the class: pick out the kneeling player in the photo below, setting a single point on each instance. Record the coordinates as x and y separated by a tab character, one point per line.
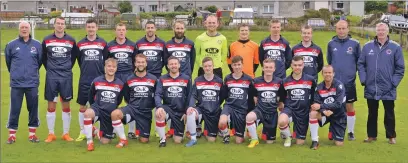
139	94
104	97
239	91
173	88
267	93
298	90
329	107
205	103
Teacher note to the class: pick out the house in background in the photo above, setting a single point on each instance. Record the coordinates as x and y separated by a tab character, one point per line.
111	11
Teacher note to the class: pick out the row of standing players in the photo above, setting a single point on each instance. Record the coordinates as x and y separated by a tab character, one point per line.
61	51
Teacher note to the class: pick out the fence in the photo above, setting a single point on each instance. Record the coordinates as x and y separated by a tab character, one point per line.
398	35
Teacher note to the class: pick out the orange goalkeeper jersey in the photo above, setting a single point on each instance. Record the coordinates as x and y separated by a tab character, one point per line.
248	50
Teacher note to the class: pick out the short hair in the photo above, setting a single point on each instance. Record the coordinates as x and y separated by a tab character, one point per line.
297	58
382	24
274	21
269	60
206	59
112	60
60	18
150	22
212	15
179	22
327	66
342	21
140	55
236	59
172	57
306	26
24	22
243	25
89	21
120	25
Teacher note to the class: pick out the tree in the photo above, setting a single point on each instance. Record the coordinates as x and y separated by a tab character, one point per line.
125	7
212	9
371	6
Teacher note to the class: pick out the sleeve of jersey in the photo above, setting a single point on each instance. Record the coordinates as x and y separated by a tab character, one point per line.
329	54
399	67
193	57
44	54
7	54
193	97
361	67
105	53
74	54
126	94
261	53
320	61
39	56
164	60
224	49
166	56
120	97
358	51
189	92
92	93
256	57
288	55
197	45
338	101
312	92
158	95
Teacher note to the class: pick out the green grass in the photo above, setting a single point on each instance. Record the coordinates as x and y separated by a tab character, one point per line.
60	151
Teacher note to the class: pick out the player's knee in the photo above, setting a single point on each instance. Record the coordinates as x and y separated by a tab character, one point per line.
144	140
313	114
338	143
51	109
350	107
82	109
250	117
210	139
283	120
116	115
89	113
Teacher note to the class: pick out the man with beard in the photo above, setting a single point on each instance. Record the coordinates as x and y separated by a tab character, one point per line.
182	48
138	92
153	48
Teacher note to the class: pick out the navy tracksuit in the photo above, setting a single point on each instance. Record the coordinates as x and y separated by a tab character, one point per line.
23	61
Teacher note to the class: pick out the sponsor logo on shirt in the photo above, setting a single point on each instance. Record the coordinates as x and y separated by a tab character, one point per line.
329	100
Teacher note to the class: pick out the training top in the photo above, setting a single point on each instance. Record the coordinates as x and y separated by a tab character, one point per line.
238	93
268	94
206	95
184	51
139	91
91	58
106	95
154	52
249	51
124	54
312	58
173	91
59	55
211	46
333	98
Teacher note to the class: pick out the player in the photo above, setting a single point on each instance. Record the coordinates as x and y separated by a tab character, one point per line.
59	55
238	90
123	50
299	91
173	88
329	107
344	51
247	49
139	94
182	48
104	97
153	48
211	44
277	48
312	53
267	94
205	103
92	55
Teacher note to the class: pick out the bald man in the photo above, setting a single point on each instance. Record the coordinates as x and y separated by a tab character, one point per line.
23	59
344	51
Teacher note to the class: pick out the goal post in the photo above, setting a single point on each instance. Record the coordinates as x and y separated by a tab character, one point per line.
14	25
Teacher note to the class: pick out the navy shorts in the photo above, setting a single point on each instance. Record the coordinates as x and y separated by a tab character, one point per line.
177	123
211	122
123	76
83	93
63	87
300	123
105	121
269	121
143	120
351	94
337	126
237	120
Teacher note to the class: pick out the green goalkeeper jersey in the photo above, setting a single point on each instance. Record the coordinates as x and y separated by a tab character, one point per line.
211	46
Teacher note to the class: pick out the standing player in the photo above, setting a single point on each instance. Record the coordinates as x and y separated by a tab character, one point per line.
247	49
299	91
59	54
123	50
344	51
92	55
312	54
211	44
329	107
153	48
267	97
173	89
139	94
23	60
277	48
104	97
182	48
239	91
205	103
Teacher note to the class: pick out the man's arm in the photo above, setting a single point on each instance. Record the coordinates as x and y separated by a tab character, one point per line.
288	56
229	56
282	93
166	56
261	53
158	95
39	56
44	54
338	101
163	60
399	67
105	53
256	59
197	46
74	54
313	90
320	61
193	97
223	92
358	52
120	97
361	67
187	102
224	50
126	92
329	54
7	53
192	58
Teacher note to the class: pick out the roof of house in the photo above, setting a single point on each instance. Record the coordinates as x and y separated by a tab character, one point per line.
112	10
